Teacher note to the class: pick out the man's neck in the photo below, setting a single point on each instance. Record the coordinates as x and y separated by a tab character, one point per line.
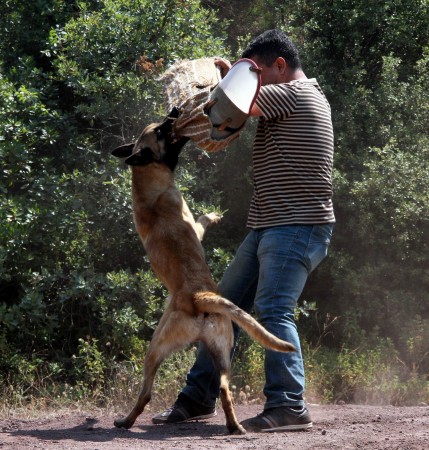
295	74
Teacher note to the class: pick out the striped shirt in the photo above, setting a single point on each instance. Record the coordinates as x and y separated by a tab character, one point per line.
292	156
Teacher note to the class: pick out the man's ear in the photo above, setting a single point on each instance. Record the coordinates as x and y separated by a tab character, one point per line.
124	150
281	64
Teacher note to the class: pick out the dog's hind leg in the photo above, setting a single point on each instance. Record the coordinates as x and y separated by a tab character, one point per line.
151	364
174	332
232	423
218	342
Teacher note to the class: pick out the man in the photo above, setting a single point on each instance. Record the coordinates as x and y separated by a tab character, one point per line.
290	219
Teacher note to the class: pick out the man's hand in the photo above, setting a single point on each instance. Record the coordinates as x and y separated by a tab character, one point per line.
223	64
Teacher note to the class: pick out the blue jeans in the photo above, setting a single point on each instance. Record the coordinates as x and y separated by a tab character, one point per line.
268	272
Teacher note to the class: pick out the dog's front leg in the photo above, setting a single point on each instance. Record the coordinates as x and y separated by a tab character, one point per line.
204	221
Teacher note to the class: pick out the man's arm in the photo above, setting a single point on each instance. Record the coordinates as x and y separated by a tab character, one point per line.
255	111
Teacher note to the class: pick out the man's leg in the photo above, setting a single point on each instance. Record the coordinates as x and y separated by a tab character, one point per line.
286	256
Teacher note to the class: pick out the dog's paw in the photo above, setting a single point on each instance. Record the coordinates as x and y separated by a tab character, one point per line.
213	217
204	221
238	430
123	423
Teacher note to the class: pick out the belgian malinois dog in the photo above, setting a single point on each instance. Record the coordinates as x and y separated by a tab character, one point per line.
172	239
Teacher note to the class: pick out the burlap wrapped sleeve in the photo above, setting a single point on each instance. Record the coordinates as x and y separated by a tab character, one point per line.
193	122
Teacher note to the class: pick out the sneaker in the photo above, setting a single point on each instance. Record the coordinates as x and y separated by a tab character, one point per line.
184	410
283	418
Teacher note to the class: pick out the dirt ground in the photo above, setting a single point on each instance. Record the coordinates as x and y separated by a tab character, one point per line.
335	427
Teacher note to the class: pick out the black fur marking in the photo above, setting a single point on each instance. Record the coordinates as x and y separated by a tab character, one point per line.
123	151
174	113
171	157
141	158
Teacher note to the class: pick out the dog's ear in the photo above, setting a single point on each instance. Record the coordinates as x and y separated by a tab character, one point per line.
164	129
140	158
124	150
174	113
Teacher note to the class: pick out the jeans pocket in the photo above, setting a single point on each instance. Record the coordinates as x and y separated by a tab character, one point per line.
317	249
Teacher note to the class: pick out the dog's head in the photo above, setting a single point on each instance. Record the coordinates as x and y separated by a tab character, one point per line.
156	144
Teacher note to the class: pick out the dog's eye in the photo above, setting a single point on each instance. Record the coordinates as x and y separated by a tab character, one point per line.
158	134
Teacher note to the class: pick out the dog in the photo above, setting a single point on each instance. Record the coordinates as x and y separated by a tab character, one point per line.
172	240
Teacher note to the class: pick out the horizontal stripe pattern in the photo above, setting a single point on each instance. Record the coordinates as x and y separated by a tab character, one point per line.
292	156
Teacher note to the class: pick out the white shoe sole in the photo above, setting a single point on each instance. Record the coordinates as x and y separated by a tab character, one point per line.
160	420
305	426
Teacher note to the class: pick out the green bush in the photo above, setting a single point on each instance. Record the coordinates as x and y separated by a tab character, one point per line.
373	375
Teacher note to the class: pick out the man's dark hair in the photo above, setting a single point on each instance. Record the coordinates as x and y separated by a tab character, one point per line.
271	44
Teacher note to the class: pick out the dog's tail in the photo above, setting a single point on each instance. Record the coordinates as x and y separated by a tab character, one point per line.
213	303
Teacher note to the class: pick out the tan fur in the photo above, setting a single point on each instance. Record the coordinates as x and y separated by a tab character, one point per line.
196	311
